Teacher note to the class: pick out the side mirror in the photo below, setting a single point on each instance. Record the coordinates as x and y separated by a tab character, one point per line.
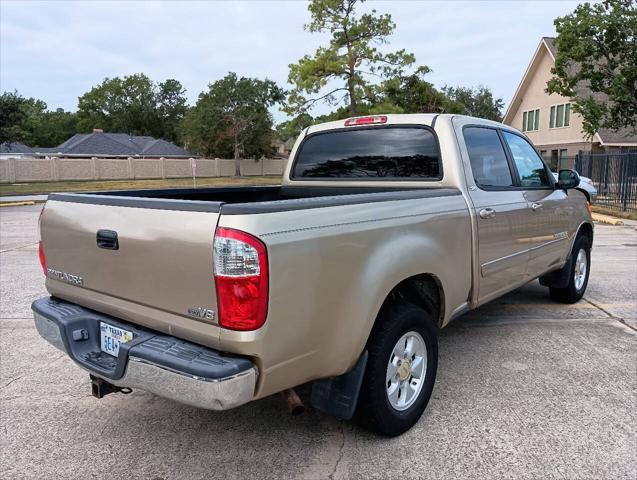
567	179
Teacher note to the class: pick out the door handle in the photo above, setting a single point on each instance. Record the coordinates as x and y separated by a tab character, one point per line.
487	213
107	239
536	206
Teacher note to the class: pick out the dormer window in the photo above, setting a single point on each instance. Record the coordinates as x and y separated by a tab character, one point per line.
531	120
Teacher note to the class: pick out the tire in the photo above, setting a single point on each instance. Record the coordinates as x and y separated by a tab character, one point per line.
577	283
375	410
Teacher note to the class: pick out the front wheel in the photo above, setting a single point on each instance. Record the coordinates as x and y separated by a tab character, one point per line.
580	269
401	370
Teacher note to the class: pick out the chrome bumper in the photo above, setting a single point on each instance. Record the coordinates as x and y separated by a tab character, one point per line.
213	394
218	394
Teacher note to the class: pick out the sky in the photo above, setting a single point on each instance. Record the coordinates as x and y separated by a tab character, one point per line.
57	50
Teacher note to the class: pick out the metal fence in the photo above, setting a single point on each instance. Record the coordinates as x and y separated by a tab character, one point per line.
615	177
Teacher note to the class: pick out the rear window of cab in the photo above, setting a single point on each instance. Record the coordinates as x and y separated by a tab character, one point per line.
390	153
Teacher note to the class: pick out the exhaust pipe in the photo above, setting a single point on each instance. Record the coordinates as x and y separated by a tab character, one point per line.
294	403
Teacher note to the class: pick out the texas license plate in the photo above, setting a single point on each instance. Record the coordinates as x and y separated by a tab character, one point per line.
112	337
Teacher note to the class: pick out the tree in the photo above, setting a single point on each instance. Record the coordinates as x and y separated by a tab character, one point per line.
56	127
172	108
124	105
413	94
477	102
27	120
135	105
44	128
293	128
596	64
11	117
232	118
342	70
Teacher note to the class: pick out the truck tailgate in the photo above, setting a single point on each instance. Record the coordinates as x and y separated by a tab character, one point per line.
161	269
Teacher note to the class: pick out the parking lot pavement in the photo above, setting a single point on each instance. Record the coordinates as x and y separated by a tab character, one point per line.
526	388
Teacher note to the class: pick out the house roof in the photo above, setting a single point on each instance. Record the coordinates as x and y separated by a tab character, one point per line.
549	42
619	137
605	136
289	143
159	147
546	44
116	144
15	147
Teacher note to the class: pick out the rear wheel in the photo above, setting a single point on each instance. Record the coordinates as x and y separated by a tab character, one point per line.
580	269
401	370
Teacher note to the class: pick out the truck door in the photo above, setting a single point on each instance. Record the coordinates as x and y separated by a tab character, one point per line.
500	211
549	211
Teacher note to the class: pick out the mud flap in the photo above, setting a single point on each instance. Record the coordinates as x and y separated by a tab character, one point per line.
558	278
338	396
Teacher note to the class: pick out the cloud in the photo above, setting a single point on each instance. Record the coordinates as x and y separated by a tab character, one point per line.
58	50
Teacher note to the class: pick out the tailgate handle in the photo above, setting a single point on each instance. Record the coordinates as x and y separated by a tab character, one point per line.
107	239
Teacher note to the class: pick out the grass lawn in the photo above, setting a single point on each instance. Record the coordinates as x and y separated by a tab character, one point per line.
614	212
95	185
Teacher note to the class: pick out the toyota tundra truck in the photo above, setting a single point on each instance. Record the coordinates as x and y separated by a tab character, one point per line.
383	230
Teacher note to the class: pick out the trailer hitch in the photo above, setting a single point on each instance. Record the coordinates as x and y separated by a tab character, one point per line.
100	387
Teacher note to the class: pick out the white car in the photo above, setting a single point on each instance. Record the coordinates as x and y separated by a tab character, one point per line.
586	185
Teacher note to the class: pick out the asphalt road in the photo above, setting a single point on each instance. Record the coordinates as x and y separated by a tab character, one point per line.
526	389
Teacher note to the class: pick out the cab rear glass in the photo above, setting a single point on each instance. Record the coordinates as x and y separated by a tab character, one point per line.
390	153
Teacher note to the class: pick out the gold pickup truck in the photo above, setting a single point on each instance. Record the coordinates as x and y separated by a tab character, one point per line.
384	229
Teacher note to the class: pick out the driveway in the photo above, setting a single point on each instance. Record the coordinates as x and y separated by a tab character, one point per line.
526	388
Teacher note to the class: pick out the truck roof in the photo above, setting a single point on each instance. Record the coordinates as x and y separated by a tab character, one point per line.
398	118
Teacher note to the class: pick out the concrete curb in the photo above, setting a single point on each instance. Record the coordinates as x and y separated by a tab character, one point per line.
606	219
23	198
17	204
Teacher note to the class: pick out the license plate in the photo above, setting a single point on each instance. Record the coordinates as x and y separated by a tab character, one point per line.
112	337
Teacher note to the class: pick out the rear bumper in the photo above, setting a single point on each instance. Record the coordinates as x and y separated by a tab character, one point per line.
157	363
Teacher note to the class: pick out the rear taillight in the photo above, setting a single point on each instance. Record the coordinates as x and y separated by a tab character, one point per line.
42	258
241	279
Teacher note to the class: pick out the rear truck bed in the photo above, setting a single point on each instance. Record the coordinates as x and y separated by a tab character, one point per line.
147	261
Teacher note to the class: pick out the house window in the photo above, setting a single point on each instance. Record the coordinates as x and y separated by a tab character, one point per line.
531	120
563	155
554	160
560	116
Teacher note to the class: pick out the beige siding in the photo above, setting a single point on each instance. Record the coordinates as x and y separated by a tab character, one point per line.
533	96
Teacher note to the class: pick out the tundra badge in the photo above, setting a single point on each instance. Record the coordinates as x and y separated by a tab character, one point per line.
65	277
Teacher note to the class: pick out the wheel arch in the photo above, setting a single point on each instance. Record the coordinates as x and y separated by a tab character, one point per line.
586	194
560	278
424	290
586	229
